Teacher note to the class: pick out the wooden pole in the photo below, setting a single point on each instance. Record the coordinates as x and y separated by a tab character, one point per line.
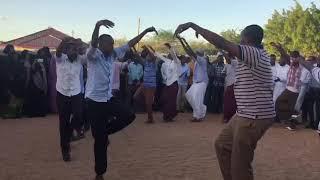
139	26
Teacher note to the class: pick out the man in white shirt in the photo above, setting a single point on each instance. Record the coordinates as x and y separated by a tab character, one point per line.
170	71
229	105
280	78
314	69
195	95
183	84
69	100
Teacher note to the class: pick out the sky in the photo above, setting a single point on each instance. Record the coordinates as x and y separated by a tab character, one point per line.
78	17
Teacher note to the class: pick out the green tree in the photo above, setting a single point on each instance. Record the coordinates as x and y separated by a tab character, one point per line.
295	29
231	35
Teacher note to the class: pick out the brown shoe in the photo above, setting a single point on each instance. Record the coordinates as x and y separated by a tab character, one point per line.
149	121
99	177
196	120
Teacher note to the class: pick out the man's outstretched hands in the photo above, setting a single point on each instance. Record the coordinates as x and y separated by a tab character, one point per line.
106	23
182	27
151	29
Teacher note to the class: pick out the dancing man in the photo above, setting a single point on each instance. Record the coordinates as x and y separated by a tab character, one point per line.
253	91
69	99
101	106
170	71
195	95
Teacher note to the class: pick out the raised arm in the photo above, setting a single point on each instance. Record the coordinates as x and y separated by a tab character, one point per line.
173	53
135	40
187	48
280	49
211	37
62	48
157	55
95	34
306	64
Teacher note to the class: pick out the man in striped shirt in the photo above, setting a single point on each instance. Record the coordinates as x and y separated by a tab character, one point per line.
253	92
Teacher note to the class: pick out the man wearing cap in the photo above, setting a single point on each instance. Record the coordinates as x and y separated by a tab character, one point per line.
195	94
236	144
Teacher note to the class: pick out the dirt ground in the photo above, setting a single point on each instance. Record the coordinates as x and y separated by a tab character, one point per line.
181	150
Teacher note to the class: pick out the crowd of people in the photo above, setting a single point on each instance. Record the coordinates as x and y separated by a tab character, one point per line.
103	87
140	79
25	90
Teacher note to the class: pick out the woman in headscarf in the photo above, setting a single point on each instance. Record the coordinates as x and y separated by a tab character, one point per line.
15	82
36	90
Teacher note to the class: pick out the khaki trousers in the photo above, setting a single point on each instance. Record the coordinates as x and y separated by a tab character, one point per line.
236	144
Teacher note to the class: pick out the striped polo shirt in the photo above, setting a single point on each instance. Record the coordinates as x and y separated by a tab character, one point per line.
253	86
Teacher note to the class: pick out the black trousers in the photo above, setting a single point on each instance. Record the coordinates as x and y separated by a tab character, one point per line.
106	118
85	124
217	96
67	106
313	98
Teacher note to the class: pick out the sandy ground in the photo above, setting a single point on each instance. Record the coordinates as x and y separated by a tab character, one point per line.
181	150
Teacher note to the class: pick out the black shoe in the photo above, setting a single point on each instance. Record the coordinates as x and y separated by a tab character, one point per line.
77	137
81	135
310	126
66	157
86	128
99	177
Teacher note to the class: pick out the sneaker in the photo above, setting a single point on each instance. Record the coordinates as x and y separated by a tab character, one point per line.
318	131
290	128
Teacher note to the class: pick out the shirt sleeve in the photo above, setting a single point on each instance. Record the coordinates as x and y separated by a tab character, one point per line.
201	60
162	57
305	76
92	53
234	63
174	55
163	71
60	59
188	71
121	51
83	59
316	74
140	71
250	55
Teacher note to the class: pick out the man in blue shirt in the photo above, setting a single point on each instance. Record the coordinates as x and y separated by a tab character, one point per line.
107	116
135	75
183	84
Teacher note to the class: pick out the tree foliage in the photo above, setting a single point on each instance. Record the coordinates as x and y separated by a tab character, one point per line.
296	29
231	35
